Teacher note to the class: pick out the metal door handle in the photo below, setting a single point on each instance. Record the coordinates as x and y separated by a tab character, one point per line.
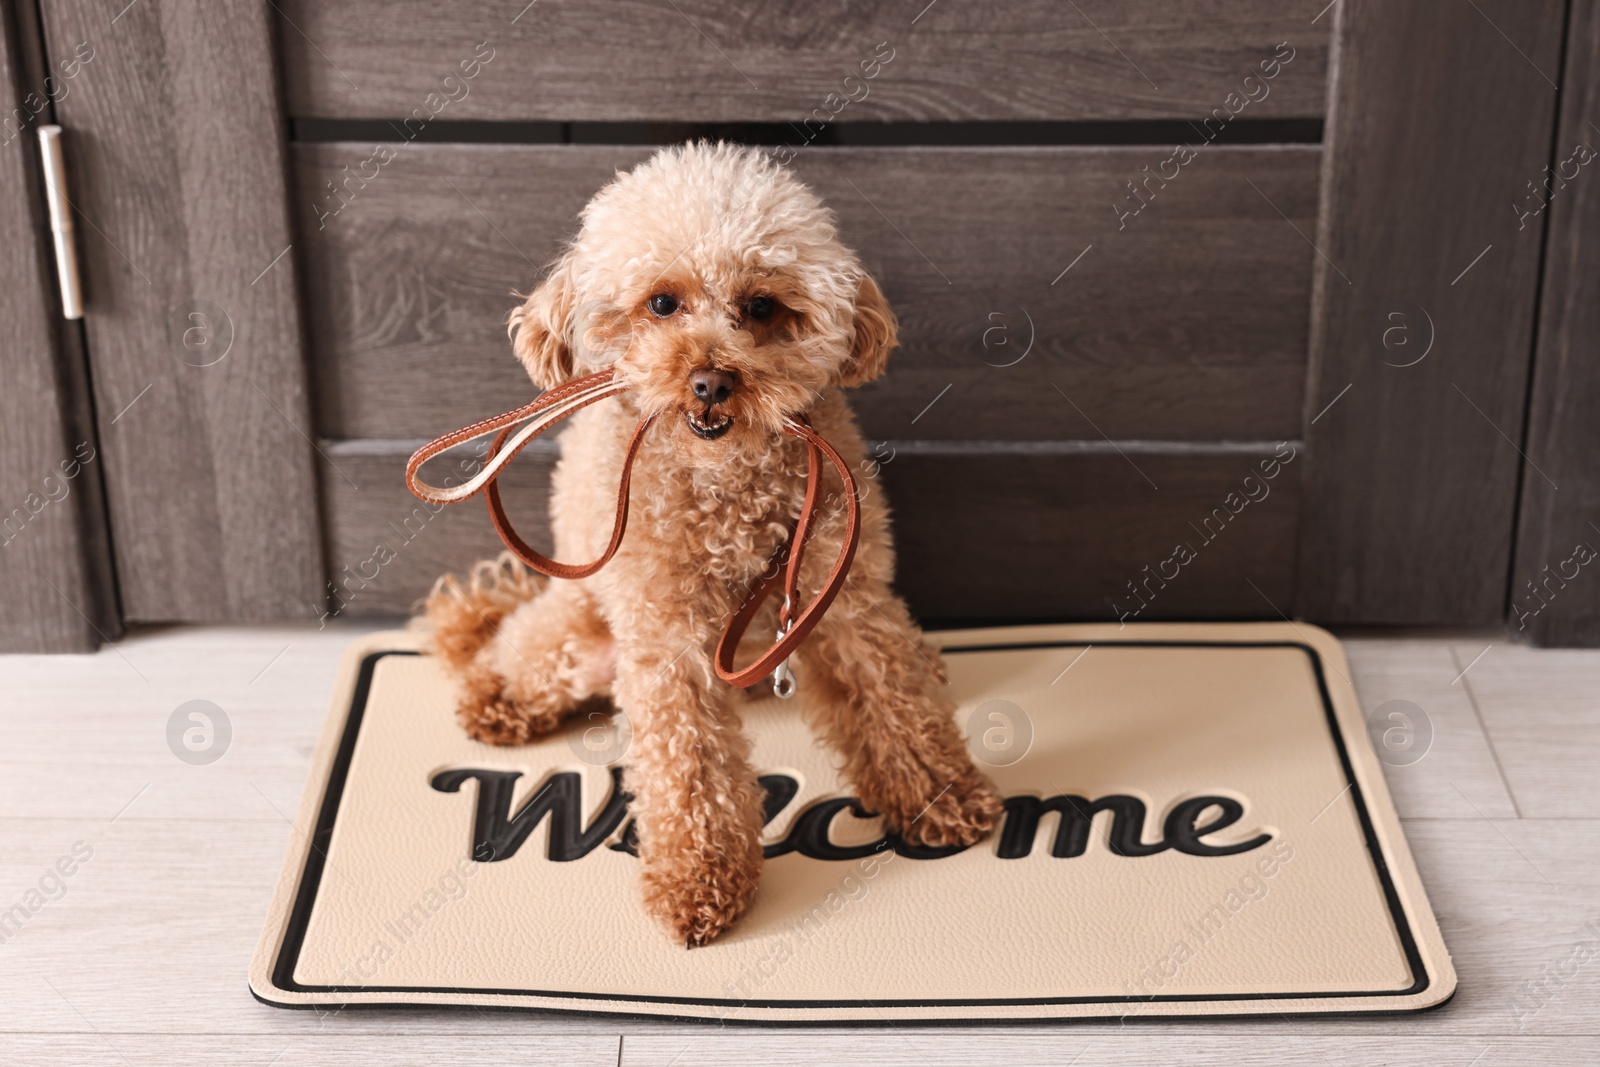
61	229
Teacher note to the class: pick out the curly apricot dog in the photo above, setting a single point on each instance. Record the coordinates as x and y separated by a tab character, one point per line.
714	282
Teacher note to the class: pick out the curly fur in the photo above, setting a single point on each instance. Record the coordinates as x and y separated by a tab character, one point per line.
711	226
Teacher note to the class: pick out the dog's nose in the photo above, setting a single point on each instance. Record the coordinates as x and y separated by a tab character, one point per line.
711	386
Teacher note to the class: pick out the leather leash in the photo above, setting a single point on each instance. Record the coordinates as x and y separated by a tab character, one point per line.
514	430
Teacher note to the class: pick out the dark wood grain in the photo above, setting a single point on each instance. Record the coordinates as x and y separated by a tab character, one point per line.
983	531
175	146
1555	585
992	535
1439	121
714	60
53	563
1187	321
386	548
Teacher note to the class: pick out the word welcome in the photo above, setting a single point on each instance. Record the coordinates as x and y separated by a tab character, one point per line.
52	885
1255	490
497	834
55	490
1254	90
1251	887
1551	179
455	90
834	103
1582	556
33	104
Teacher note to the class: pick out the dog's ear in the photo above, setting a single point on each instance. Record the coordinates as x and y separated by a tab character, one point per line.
541	327
877	333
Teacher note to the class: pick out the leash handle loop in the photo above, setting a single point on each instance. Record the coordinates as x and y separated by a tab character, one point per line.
549	408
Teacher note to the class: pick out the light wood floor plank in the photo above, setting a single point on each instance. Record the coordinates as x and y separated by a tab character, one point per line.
109	712
136	1050
1451	775
1541	707
154	931
1092	1046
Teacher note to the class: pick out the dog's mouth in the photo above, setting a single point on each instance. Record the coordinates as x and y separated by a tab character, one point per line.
708	426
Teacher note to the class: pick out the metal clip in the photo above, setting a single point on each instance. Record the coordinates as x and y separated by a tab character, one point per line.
783	680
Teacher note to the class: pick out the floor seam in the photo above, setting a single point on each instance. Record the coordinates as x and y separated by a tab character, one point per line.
1483	727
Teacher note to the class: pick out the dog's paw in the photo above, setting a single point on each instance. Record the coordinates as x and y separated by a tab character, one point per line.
695	899
500	722
488	715
955	814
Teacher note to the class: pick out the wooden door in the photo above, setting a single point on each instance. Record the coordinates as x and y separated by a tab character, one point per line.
59	594
1165	272
175	153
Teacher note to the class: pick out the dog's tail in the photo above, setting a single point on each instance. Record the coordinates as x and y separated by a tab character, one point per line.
461	617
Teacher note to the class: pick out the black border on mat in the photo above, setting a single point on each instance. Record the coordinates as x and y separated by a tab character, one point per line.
311	875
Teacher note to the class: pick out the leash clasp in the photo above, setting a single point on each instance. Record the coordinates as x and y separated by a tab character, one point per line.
783	679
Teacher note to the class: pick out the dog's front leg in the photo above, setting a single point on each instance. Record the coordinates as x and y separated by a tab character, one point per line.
696	803
876	693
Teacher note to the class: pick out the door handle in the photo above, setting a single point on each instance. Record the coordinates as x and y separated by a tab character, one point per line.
61	228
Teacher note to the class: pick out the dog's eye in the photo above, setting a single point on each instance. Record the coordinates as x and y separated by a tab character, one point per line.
662	304
761	308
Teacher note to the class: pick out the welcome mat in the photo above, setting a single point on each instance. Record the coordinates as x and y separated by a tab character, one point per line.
1195	825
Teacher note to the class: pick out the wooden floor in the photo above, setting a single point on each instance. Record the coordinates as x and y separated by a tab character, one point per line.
140	955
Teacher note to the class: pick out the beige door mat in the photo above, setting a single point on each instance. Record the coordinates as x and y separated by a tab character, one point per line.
1196	826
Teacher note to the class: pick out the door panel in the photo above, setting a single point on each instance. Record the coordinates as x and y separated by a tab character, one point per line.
1185	323
1057	434
54	564
1411	488
1099	344
192	318
1555	586
1065	529
722	61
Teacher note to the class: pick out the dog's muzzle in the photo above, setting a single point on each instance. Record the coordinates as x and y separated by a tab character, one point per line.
708	425
711	386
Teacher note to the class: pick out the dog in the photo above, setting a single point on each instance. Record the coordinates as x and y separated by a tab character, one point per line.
714	282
